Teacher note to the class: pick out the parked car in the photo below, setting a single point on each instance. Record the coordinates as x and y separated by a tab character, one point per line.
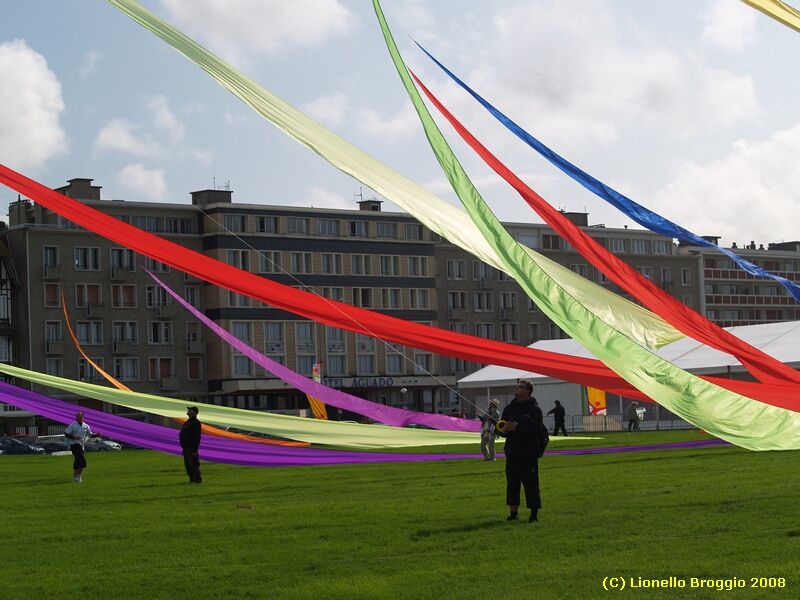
101	445
10	445
51	446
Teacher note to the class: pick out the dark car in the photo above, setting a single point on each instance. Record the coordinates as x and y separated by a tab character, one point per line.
51	447
10	445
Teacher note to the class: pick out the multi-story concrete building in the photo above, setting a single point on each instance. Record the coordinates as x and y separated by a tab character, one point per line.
731	296
383	261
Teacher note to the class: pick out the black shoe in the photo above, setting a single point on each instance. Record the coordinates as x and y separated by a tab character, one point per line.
198	480
533	517
512	517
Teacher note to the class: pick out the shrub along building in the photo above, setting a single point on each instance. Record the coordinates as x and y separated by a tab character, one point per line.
383	261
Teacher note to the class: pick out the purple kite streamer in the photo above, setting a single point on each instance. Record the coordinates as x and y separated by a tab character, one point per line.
213	449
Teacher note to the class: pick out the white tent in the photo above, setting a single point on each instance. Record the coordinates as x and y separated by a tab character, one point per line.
779	340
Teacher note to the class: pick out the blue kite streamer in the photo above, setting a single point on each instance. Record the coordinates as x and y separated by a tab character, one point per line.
643	216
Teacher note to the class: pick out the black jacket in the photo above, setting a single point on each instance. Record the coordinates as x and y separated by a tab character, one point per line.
190	434
559	412
524	441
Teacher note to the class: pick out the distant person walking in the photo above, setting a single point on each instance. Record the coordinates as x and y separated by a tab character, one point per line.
75	435
559	414
190	444
633	417
489	430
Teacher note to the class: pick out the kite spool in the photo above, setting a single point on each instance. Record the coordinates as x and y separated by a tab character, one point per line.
501	424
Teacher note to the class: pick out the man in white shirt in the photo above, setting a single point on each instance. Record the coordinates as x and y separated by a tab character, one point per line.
75	435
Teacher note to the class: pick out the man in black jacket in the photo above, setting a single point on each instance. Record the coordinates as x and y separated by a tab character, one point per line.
523	424
190	443
559	416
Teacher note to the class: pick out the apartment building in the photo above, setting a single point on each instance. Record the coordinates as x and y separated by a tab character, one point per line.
383	261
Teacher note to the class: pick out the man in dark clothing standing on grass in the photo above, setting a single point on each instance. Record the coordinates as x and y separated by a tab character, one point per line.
522	428
559	416
190	443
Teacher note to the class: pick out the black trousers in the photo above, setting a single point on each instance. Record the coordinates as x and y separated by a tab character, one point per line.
191	461
557	426
79	461
524	472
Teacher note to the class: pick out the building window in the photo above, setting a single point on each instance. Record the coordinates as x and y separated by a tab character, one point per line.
333	293
239	259
484	330
296	226
390	266
155	296
579	269
234	223
534	334
509	332
159	333
327	227
361	264
660	247
242	365
331	264
666	277
457	270
182	226
89	333
481	271
556	333
387	231
52	331
551	242
269	262
87	259
191	293
687	300
413	231
420	298
273	341
267	224
123	258
686	277
362	297
365	351
126	369
300	262
417	266
125	331
532	306
484	302
639	246
457	300
646	272
390	298
123	296
50	256
619	245
147	223
194	368
508	301
55	367
358	229
154	266
238	300
160	368
87	294
531	240
395	357
423	362
87	371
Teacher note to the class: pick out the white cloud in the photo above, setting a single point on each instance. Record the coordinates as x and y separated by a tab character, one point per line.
120	135
144	182
236	28
329	110
404	125
165	120
748	195
89	65
729	26
31	101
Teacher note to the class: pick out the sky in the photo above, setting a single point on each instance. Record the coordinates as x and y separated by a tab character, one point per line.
689	107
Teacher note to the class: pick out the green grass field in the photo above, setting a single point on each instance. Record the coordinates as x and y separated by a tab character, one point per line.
135	528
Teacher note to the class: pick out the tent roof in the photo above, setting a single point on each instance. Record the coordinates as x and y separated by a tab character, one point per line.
779	340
